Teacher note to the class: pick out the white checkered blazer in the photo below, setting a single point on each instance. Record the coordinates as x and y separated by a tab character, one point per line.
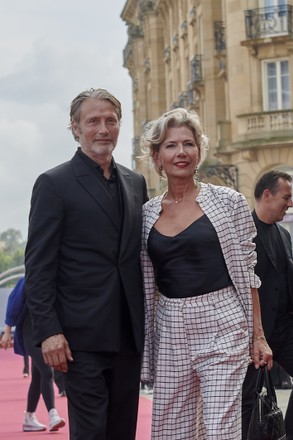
229	213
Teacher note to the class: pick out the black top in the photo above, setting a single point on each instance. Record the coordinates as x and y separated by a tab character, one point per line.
189	264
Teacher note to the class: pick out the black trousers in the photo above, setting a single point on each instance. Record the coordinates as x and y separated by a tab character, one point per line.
103	393
281	343
26	364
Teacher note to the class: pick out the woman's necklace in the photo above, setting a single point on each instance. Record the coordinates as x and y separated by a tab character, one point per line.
176	201
173	200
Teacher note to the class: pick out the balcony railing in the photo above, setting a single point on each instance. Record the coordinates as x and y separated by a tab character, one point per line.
220	44
228	174
219	37
268	22
183	100
261	125
196	69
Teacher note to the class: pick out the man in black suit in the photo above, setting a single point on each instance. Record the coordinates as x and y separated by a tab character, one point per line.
83	278
273	195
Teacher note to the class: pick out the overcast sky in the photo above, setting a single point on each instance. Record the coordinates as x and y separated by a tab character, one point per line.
50	51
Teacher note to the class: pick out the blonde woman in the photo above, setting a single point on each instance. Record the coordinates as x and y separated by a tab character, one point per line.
201	300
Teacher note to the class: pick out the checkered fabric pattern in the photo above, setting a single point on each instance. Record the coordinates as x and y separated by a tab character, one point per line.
229	213
201	356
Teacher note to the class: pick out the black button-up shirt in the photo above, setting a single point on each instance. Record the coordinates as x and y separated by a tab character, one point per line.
112	184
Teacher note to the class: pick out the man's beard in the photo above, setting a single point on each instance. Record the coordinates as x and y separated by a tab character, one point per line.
102	150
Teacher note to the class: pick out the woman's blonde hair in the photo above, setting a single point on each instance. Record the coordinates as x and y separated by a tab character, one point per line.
155	132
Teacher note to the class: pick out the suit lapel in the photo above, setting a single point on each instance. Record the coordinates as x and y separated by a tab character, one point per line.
89	181
285	241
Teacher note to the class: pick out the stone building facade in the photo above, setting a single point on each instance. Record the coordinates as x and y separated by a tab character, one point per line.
231	61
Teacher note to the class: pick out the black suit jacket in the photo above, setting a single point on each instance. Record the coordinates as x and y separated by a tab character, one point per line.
77	257
267	271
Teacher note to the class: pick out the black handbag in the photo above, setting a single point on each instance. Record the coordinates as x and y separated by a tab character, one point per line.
267	422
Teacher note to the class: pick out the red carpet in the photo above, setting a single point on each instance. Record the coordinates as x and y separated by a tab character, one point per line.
13	392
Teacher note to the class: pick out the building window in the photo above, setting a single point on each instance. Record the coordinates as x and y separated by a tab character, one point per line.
274	3
276	90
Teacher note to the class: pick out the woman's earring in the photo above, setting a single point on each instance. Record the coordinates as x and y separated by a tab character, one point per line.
196	177
160	170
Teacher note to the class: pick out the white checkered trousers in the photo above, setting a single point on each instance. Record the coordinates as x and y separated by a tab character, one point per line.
197	349
201	355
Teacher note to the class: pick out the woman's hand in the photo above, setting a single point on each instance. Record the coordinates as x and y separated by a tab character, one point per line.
262	354
6	338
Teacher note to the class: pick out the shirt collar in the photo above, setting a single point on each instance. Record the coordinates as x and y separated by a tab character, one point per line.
93	164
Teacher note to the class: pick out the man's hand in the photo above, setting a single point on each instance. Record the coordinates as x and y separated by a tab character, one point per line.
56	352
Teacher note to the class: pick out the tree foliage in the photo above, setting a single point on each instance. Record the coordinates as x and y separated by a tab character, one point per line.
11	249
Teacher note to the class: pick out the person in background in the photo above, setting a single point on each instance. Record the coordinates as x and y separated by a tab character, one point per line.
41	375
201	301
26	366
273	196
60	382
58	376
83	276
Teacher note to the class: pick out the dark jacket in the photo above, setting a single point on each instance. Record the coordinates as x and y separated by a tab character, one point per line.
16	311
78	256
266	269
